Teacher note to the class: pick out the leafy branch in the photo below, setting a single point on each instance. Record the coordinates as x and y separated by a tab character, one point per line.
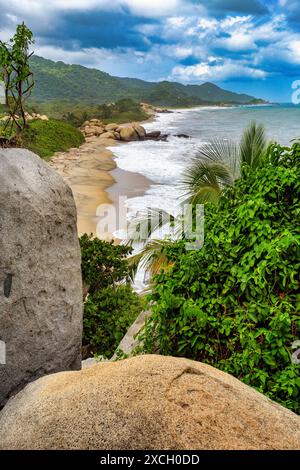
17	77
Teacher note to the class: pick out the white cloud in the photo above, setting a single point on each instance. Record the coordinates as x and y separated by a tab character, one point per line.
139	7
230	21
204	25
176	21
152	7
295	50
178	52
6	34
239	29
217	72
284	51
118	62
271	31
238	42
92	57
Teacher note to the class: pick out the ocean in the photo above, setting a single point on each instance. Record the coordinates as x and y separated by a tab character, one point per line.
164	162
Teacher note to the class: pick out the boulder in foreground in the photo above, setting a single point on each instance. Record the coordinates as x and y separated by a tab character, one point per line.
40	275
146	402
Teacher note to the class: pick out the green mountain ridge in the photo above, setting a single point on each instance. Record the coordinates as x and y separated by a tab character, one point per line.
59	81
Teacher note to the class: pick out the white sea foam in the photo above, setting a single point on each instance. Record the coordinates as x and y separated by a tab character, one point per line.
164	162
161	162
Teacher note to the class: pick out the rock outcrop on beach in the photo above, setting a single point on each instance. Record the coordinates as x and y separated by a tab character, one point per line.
109	135
93	127
128	134
146	402
152	110
140	130
125	132
40	275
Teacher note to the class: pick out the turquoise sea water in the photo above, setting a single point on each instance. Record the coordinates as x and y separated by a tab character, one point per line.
282	122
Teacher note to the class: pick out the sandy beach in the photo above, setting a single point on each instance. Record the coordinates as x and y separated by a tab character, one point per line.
94	178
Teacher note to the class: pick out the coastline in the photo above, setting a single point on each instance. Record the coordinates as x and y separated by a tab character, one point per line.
94	178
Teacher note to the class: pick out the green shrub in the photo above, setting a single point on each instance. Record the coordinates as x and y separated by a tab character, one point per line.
111	305
103	263
235	303
47	137
107	316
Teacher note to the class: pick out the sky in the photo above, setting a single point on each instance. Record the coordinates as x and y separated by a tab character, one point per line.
250	46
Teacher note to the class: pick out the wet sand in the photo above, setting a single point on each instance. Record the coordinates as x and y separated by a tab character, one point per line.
95	180
127	185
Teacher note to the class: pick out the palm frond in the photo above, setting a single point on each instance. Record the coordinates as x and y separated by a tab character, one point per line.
215	167
147	223
223	151
151	257
253	144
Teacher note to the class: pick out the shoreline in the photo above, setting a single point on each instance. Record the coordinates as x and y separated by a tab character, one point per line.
126	184
95	179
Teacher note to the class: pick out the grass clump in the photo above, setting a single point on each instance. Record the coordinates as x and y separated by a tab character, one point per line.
47	137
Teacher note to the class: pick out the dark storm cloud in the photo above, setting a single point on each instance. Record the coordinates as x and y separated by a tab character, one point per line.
105	29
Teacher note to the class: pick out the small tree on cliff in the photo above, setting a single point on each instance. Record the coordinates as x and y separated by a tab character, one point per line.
17	77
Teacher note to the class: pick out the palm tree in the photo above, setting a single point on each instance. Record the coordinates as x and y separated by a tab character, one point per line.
151	258
217	166
220	163
150	246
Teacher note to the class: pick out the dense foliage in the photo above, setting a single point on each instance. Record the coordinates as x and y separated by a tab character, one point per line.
103	263
47	137
111	306
107	316
235	303
122	111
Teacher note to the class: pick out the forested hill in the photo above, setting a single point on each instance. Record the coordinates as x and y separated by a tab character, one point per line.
60	81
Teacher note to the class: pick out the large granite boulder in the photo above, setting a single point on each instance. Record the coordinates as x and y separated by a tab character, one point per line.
111	127
140	130
108	135
147	402
40	278
128	133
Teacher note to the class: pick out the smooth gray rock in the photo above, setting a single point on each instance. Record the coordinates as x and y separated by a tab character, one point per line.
89	362
130	341
40	277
